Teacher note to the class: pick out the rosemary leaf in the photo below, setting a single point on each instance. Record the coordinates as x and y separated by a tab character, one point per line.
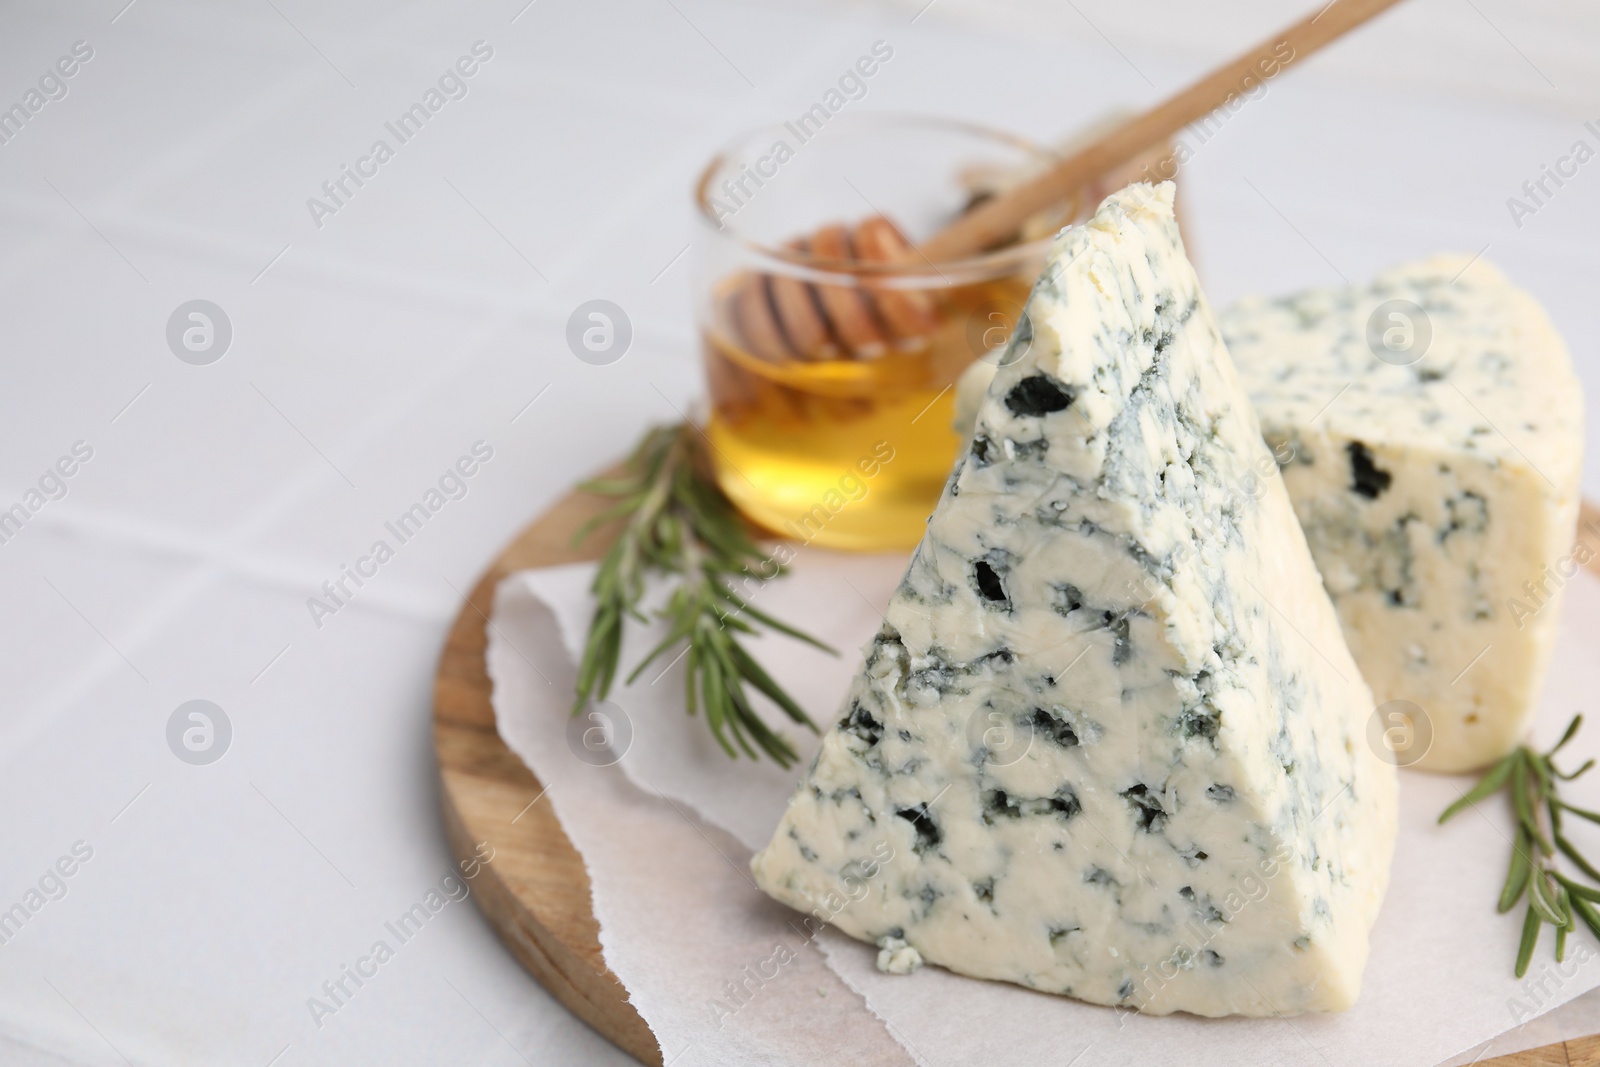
715	697
689	673
1530	938
1564	906
1576	857
1542	900
1572	729
1521	804
763	681
1586	912
1577	890
762	734
1541	770
1517	876
677	522
1519	792
1581	813
769	621
1553	897
738	715
615	511
1491	783
677	632
1587	766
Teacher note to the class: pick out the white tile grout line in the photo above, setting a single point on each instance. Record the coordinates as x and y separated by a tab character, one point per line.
258	567
284	102
281	501
727	122
279	99
230	547
269	264
798	73
801	71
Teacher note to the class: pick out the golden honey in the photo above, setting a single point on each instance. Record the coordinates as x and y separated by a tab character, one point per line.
848	452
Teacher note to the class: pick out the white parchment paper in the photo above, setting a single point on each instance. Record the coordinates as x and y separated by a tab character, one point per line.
667	830
720	972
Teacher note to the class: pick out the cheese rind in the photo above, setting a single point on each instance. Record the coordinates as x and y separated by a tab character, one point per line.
1437	480
1109	742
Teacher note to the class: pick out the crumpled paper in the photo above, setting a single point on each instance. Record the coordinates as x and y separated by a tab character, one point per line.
666	824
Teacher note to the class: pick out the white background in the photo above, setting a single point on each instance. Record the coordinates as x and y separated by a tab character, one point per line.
369	353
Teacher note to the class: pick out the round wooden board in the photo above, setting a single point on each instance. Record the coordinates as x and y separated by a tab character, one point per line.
535	892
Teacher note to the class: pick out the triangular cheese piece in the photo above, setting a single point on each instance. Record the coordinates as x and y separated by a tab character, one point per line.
1109	741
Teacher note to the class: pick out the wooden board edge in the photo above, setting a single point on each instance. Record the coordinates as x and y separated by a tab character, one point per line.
488	795
597	997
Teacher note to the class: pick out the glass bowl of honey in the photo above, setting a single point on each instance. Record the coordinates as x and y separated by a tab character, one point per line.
831	346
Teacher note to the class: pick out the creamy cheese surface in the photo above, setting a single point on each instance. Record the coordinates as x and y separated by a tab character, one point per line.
1431	430
1109	742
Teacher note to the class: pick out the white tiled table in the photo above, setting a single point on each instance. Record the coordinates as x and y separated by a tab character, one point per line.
372	351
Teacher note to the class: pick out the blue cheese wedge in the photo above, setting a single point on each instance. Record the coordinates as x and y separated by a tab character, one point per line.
1431	431
1109	742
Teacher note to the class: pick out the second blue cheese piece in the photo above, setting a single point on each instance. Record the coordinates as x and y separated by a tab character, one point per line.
1430	429
1109	742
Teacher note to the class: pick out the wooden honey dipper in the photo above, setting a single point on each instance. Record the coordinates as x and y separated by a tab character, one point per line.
782	318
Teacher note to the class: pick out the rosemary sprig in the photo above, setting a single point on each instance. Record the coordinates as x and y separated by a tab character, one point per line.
1553	897
680	523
